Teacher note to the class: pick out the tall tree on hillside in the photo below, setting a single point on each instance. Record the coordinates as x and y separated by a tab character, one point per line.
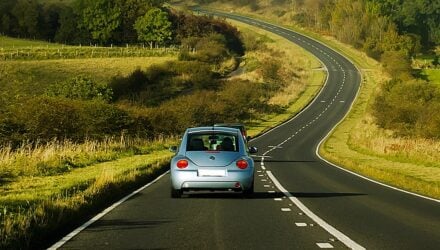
101	18
154	27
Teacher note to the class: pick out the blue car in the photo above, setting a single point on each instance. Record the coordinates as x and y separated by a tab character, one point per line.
212	158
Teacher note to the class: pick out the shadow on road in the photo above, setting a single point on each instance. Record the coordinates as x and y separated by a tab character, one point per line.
114	225
264	195
284	161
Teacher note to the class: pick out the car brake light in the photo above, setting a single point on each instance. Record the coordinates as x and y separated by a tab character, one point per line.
242	164
182	164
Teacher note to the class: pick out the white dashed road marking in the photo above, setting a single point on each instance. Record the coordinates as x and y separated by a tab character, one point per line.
333	231
324	245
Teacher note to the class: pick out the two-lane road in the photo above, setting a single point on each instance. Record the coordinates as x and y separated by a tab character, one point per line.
301	202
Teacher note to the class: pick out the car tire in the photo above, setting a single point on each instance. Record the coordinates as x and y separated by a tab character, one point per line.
176	193
249	192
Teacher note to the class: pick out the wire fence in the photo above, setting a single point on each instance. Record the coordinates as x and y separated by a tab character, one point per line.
45	53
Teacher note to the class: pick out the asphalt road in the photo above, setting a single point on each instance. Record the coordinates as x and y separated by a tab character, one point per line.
301	202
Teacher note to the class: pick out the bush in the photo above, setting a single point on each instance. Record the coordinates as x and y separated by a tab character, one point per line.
397	64
160	83
211	49
409	108
81	88
125	87
45	118
186	26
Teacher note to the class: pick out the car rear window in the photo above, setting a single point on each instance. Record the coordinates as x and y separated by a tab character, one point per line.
212	141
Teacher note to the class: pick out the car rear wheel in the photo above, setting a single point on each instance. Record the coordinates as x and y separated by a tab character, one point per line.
176	193
249	192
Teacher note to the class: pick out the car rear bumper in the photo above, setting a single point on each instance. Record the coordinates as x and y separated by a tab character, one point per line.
188	180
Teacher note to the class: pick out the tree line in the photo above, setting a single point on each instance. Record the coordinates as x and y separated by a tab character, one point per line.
393	32
80	21
105	22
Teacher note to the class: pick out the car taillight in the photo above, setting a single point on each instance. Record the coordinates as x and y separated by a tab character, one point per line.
182	164
242	164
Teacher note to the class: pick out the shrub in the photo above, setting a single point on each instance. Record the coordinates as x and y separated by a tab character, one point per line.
209	49
45	118
243	100
408	108
127	86
397	64
81	88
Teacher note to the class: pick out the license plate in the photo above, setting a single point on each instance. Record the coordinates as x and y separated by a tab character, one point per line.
212	172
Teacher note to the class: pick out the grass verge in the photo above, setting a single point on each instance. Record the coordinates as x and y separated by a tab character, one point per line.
37	209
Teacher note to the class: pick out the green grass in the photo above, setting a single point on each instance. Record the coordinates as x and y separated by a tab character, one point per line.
432	75
33	205
33	77
15	43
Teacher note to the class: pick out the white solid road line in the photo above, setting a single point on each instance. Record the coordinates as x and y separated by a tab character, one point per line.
68	237
333	231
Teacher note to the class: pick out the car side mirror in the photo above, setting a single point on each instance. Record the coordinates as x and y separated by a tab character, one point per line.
248	138
173	149
253	150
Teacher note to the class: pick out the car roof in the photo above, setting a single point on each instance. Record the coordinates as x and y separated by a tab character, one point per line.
213	129
229	124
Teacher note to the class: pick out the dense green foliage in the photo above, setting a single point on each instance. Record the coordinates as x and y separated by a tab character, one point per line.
81	88
154	27
409	107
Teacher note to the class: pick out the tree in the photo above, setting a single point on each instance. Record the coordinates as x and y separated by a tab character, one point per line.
27	14
154	27
101	18
68	31
131	10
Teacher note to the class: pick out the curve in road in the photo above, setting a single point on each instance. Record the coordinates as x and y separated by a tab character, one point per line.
372	216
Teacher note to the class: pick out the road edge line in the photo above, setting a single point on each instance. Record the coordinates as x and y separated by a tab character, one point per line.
75	232
329	228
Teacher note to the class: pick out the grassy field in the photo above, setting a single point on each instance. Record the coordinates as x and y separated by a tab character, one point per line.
410	164
46	186
33	77
15	43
